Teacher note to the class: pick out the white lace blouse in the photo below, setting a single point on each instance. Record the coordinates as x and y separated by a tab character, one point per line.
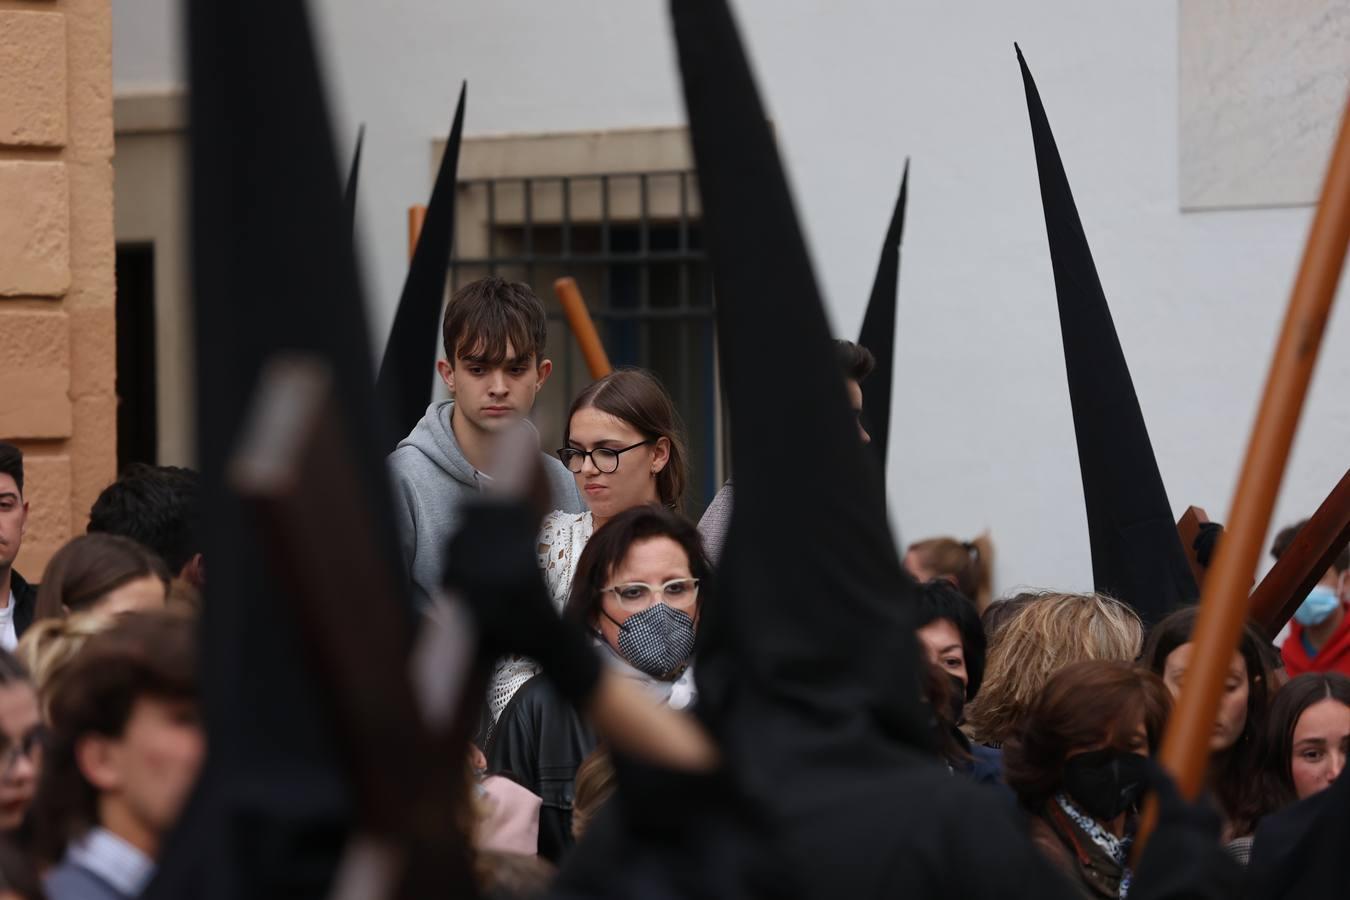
561	539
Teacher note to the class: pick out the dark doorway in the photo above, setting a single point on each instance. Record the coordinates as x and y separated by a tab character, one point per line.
137	437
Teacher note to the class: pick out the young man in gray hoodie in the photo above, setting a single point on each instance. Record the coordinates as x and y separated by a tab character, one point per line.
494	333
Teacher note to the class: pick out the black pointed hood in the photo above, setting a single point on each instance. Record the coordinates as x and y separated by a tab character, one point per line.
273	270
878	331
786	631
353	175
405	379
1136	552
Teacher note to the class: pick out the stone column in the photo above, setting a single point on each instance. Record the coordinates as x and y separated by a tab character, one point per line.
57	329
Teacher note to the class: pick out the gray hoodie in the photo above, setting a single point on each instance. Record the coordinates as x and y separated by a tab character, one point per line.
431	480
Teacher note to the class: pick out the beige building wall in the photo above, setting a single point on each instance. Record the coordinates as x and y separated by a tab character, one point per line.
57	332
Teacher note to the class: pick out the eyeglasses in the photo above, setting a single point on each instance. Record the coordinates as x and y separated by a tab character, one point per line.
679	593
605	459
29	747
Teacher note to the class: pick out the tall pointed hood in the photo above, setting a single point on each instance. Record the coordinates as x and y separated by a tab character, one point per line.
785	632
273	270
353	175
878	332
404	383
1136	552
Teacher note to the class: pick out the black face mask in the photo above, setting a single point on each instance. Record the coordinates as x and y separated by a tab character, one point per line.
1105	783
956	698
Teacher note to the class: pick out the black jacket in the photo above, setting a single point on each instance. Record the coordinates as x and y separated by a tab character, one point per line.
25	602
539	742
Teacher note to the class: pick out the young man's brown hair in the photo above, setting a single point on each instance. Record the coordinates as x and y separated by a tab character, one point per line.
493	312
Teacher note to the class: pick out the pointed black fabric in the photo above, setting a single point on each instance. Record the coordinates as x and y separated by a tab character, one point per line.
878	332
273	270
404	383
1136	552
353	175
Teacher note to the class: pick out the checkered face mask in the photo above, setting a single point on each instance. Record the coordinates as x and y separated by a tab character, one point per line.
657	640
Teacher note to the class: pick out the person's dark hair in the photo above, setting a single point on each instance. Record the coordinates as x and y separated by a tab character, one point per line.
141	655
18	875
483	316
940	600
1087	704
11	464
637	397
1277	744
156	506
611	543
855	359
1286	537
1001	612
83	571
935	688
1233	771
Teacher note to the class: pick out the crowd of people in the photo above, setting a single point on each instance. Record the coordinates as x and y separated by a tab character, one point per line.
1053	703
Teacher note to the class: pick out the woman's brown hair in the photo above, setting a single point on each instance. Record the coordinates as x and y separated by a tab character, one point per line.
637	397
1084	706
1276	752
139	655
88	568
968	564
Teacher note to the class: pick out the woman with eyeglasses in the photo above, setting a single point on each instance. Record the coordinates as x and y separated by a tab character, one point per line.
625	446
21	734
639	587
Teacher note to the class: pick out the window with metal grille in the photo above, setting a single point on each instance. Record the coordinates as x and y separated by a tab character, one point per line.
633	243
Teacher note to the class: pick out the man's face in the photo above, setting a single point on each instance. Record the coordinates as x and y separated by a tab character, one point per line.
150	769
491	397
855	403
13	520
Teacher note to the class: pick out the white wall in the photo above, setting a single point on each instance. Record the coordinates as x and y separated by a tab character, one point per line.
983	434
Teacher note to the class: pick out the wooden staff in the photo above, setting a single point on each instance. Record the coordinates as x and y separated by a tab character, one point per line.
579	319
1305	561
1223	600
416	216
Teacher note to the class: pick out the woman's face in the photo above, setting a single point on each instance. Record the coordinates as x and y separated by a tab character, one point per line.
942	642
1321	741
1136	742
633	483
654	561
20	723
1232	716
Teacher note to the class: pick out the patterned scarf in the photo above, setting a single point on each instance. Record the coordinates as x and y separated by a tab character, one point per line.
1118	848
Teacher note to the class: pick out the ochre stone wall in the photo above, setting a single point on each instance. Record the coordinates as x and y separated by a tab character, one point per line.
57	332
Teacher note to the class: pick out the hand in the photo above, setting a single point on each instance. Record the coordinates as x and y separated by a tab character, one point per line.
493	570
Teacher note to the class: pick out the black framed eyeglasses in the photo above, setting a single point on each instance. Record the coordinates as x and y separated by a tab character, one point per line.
29	747
605	459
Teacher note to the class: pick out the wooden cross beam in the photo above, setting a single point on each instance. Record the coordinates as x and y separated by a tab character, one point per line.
295	468
1188	527
1312	552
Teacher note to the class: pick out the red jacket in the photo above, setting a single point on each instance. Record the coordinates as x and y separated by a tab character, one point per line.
1333	657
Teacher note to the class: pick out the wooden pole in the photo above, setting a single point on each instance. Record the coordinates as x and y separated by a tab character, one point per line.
1304	563
416	216
579	319
1223	600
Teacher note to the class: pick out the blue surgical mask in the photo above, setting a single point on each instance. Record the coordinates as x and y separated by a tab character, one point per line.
1321	603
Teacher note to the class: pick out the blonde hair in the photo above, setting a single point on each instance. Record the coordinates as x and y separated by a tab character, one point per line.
594	784
49	645
1051	631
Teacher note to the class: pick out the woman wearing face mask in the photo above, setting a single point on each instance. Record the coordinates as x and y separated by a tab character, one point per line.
1243	710
1306	740
625	447
640	584
1319	635
1078	765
